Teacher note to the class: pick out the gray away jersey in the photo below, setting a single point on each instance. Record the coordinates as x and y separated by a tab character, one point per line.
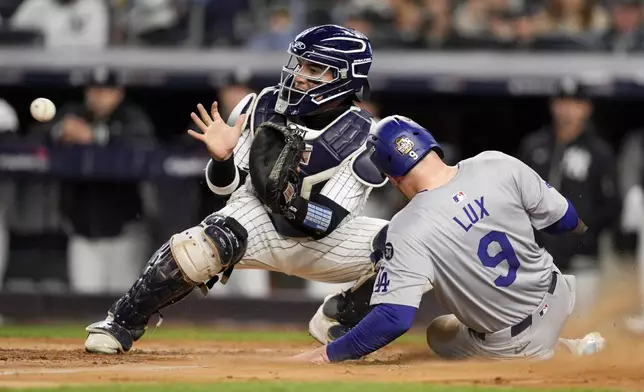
472	239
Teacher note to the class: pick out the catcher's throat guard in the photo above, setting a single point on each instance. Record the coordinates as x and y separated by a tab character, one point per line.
275	155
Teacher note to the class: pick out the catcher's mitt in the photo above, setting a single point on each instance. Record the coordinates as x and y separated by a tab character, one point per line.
275	154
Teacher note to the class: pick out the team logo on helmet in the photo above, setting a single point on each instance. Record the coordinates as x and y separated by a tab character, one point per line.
299	45
404	145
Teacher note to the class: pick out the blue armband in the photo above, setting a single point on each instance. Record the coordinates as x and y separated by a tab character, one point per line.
384	324
567	223
317	217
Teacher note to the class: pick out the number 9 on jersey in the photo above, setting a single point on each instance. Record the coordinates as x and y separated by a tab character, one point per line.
507	253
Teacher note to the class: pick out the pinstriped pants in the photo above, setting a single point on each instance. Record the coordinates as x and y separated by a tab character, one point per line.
342	256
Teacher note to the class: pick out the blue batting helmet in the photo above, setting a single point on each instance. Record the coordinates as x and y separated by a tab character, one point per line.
344	52
397	144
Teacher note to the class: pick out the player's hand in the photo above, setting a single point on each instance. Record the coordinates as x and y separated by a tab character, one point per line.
76	130
220	138
316	356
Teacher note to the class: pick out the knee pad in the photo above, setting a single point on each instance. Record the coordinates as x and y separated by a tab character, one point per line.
206	250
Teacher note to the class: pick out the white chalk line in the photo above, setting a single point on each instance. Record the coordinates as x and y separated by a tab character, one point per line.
128	368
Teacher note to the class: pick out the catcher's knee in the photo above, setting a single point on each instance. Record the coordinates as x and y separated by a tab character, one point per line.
204	251
343	311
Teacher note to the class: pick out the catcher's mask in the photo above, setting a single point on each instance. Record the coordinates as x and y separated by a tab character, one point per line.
343	52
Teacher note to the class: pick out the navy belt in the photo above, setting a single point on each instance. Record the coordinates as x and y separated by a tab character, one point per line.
527	322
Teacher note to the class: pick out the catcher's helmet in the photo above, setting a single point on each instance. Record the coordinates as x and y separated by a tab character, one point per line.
397	144
344	52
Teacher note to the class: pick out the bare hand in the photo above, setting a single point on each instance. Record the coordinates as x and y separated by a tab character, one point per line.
76	130
219	137
316	356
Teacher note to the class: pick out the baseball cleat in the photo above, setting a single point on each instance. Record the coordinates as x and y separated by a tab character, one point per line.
101	343
590	344
108	337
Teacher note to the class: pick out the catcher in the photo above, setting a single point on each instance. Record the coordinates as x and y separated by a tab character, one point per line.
294	163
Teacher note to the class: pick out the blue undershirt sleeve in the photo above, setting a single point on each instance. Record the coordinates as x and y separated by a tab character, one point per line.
566	224
384	324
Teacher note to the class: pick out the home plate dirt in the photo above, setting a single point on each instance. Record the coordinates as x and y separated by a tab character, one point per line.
51	362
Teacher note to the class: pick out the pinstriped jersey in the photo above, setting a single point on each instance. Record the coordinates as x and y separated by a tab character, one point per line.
326	168
472	239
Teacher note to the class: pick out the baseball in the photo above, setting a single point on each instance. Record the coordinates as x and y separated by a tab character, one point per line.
43	109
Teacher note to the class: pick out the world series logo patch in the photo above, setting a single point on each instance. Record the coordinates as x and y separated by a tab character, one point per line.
404	145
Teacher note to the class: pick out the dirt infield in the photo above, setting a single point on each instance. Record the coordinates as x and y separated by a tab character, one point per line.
52	362
49	362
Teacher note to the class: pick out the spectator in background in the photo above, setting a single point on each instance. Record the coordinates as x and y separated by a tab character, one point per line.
474	18
360	22
514	27
572	17
489	24
227	22
153	22
524	28
278	34
409	24
380	33
340	10
471	18
107	244
65	23
8	130
626	33
631	180
439	22
580	164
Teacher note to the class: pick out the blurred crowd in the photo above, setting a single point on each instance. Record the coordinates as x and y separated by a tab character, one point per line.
571	25
105	232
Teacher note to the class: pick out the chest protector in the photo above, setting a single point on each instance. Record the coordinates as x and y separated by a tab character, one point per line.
340	141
